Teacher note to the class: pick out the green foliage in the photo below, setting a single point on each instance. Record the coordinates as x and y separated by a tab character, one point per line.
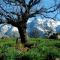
43	49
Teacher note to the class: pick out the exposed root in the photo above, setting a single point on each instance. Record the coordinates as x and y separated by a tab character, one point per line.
21	47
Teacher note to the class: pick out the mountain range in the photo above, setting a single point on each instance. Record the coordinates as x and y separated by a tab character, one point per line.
37	28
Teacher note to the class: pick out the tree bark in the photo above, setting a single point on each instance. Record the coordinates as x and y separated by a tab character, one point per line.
21	25
22	32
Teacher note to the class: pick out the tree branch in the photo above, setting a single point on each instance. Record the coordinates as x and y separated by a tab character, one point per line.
33	2
22	3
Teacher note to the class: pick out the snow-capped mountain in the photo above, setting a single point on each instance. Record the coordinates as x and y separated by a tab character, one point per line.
43	26
8	30
38	27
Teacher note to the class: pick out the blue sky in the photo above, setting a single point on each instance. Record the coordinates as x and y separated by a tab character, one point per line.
44	3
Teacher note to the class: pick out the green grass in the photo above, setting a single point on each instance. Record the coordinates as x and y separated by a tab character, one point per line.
43	49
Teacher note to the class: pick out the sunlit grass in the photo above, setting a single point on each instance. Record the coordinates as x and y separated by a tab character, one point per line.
42	48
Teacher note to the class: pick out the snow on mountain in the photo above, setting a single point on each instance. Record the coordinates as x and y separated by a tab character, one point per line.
14	29
8	30
44	25
47	23
41	25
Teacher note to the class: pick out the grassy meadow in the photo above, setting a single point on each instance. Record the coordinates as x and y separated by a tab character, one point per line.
42	49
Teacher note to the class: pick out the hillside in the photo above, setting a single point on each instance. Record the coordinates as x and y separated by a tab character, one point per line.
42	49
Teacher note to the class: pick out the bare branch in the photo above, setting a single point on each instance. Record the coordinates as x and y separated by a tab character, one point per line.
33	2
44	10
22	3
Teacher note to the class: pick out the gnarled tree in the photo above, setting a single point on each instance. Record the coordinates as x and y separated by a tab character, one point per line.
17	12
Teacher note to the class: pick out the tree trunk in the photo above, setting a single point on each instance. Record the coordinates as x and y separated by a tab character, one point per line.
22	32
23	35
